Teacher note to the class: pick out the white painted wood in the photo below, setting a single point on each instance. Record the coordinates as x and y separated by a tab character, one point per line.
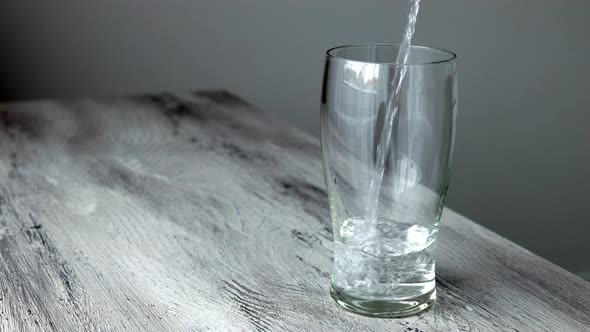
198	212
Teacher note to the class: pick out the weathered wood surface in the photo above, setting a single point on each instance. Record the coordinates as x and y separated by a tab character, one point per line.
197	212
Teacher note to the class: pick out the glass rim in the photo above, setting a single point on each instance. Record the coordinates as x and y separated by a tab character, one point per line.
451	56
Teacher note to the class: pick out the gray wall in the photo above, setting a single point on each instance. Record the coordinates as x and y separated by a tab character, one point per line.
523	141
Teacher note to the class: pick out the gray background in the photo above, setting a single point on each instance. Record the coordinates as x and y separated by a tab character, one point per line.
522	154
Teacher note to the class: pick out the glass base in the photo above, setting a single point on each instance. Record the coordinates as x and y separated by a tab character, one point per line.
384	309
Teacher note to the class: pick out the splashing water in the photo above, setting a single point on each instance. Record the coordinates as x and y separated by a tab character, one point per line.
387	259
384	145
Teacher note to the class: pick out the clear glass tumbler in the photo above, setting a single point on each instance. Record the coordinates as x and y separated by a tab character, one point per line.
384	262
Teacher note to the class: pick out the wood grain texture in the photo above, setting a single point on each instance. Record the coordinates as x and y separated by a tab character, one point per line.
198	212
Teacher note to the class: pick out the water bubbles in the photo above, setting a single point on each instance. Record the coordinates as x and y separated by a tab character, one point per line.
394	260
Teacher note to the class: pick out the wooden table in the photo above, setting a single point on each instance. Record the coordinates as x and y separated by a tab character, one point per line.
199	212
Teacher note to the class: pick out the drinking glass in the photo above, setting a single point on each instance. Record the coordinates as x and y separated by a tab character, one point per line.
384	262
